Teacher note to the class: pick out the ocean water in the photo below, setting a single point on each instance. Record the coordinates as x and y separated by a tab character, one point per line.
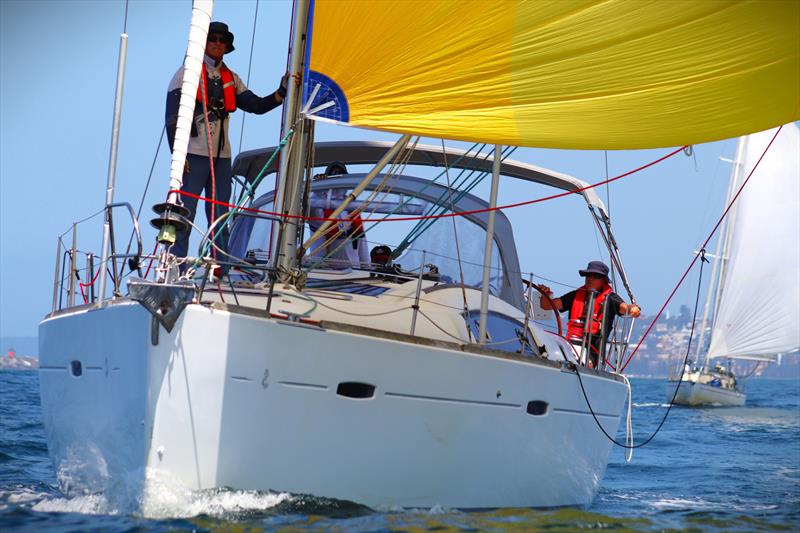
715	469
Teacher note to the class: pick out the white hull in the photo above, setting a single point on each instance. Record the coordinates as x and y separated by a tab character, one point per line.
696	394
254	405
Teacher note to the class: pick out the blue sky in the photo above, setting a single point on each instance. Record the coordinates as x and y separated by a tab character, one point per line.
57	76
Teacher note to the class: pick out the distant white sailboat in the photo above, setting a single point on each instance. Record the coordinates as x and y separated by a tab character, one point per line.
757	294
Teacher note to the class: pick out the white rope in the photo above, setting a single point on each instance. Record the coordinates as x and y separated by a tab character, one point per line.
628	423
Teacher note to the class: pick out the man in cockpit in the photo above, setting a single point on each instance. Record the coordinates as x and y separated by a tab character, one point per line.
344	242
604	302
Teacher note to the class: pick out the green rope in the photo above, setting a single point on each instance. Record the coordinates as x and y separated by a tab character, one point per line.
246	190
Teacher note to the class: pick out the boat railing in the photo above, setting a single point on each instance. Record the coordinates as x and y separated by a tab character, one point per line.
68	271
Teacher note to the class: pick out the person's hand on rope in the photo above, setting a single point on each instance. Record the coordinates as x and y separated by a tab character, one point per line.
544	289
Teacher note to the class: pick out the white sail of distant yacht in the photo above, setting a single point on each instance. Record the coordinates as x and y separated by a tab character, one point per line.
757	309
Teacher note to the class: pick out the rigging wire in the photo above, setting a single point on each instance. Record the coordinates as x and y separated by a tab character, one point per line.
146	186
424	224
608	213
125	23
249	67
397	167
617	331
455	237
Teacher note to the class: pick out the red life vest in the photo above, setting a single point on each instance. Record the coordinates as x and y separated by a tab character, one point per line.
356	226
228	87
577	312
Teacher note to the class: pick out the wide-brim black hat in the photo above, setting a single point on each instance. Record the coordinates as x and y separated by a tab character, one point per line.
336	168
595	267
221	27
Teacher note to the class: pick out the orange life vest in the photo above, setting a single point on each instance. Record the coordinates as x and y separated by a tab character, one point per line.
577	313
228	87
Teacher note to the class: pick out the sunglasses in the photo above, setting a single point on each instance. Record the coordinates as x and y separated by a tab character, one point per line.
216	39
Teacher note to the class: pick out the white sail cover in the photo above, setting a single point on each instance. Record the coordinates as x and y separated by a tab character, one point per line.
759	312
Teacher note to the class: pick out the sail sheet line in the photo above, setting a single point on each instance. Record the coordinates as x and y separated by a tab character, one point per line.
702	247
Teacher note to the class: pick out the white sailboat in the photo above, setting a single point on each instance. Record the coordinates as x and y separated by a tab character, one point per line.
413	387
756	311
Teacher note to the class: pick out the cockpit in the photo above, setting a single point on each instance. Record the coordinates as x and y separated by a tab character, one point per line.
390	212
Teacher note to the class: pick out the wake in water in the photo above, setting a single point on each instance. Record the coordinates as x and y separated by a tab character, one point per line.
222	504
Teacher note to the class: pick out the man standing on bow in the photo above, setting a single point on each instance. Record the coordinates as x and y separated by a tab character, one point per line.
220	93
606	305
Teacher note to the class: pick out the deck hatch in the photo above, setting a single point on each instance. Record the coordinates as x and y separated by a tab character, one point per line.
348	287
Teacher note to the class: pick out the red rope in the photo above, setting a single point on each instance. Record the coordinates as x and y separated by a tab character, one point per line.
210	156
697	256
442	215
82	284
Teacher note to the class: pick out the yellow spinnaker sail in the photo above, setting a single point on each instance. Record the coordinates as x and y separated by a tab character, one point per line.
613	74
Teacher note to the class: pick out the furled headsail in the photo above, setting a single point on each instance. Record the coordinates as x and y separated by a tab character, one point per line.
616	74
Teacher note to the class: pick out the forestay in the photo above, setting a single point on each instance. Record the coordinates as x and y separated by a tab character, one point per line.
585	74
758	314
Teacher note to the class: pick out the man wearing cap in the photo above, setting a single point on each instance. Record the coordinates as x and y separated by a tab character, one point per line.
606	305
220	93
